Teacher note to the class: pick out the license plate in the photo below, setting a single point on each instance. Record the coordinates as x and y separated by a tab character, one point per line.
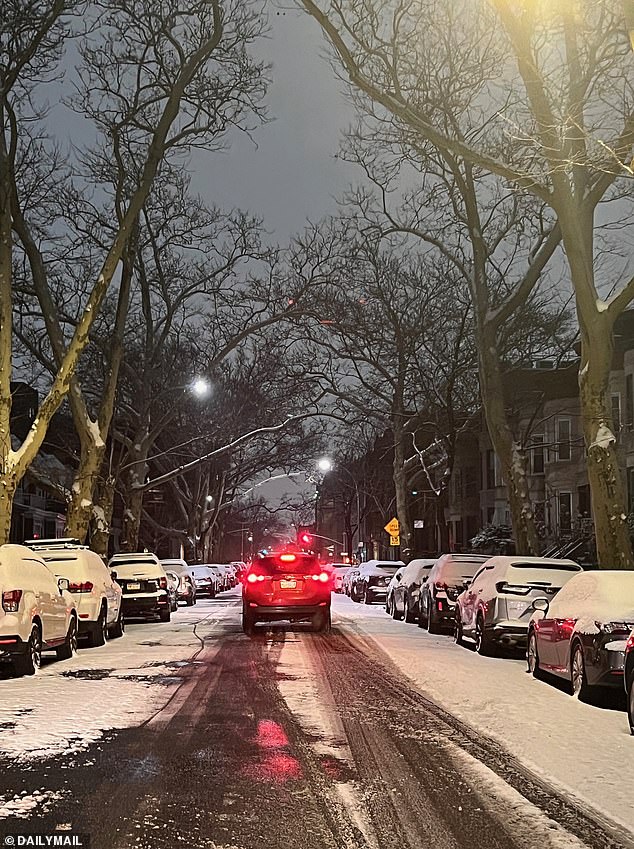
131	587
288	585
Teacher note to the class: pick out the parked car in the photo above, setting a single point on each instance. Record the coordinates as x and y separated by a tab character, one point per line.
496	607
447	579
173	582
338	573
581	634
288	585
37	612
227	576
389	598
144	584
186	590
206	580
240	567
97	595
371	583
348	578
406	594
628	679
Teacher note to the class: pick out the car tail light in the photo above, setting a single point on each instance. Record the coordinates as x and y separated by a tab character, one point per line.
287	558
323	577
252	578
614	627
80	587
162	583
630	643
11	601
441	585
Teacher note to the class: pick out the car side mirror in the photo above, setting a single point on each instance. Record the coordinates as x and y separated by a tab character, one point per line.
63	584
540	604
399	577
113	575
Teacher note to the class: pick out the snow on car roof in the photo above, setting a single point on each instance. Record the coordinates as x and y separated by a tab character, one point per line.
600	596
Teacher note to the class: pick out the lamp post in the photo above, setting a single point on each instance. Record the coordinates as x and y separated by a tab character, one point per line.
326	465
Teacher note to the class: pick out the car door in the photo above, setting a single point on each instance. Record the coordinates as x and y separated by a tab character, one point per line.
546	634
52	603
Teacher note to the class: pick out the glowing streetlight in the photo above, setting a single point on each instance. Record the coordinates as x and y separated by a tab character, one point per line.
324	464
200	387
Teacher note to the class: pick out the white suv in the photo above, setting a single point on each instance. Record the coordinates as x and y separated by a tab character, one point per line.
37	613
144	584
97	596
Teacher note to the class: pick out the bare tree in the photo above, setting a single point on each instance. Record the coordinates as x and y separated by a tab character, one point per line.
566	103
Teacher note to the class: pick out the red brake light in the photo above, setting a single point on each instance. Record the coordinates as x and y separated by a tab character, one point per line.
441	585
83	587
252	578
630	643
163	583
288	558
323	577
11	601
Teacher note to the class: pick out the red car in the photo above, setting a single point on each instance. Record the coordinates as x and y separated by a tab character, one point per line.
286	585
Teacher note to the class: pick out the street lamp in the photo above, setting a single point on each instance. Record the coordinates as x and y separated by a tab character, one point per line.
325	465
200	387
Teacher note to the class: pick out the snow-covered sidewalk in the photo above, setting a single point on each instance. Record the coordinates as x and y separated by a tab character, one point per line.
585	750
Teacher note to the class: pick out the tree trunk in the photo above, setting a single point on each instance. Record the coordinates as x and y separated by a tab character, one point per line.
509	452
8	486
401	487
101	521
132	518
79	510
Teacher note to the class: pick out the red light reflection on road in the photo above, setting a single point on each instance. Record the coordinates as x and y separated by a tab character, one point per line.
273	762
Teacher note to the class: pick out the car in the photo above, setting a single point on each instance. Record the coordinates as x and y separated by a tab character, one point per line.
206	579
226	576
628	679
495	609
186	590
144	585
371	583
97	595
581	634
240	567
348	578
173	582
37	611
288	585
389	598
446	580
338	573
406	594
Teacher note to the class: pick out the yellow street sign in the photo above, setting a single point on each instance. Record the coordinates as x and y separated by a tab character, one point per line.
395	540
393	528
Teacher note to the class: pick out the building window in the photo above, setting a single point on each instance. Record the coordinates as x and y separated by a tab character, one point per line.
564	503
629	401
537	454
616	412
490	469
563	439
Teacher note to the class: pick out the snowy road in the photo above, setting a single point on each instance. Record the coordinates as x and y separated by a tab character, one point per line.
379	736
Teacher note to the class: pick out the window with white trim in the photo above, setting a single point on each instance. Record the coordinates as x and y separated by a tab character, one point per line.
564	430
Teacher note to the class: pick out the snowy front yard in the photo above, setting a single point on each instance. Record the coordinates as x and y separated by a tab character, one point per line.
586	750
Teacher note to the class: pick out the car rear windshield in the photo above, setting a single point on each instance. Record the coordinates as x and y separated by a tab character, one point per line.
455	570
303	564
561	567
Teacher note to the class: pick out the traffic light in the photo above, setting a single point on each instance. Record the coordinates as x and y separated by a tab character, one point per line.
304	538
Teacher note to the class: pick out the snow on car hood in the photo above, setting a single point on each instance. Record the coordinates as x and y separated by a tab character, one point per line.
591	597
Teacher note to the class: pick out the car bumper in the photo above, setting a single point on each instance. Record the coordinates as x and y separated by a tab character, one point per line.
144	605
445	611
12	646
294	611
377	592
508	633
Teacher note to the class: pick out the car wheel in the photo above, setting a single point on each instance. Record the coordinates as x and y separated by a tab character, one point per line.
30	662
248	622
484	643
433	625
457	631
118	629
367	598
630	707
532	657
189	601
408	614
395	614
69	648
322	622
98	634
578	680
422	616
165	615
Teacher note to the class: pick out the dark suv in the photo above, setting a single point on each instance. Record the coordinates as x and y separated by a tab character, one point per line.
288	585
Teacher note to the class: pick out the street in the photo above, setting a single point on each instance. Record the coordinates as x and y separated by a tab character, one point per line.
192	734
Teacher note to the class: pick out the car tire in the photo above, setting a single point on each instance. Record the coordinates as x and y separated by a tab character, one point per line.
422	616
458	634
118	629
98	633
408	614
189	601
367	598
248	622
29	662
630	707
322	622
165	615
433	625
578	681
395	614
484	643
532	656
68	648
